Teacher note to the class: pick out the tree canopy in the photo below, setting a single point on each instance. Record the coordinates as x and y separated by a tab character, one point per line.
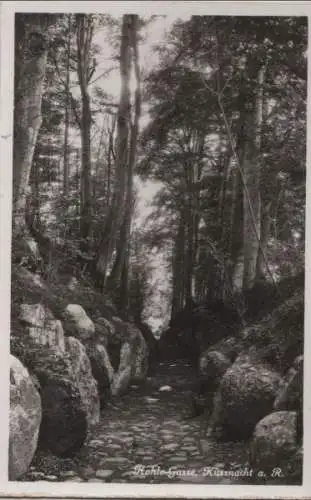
217	120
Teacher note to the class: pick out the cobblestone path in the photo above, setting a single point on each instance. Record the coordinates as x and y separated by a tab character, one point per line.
145	436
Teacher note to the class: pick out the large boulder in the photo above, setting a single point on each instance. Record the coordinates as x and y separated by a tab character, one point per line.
25	419
35	314
122	377
212	365
73	365
52	334
64	422
294	467
81	372
128	353
102	371
274	441
56	360
117	336
229	347
97	350
291	391
104	330
41	326
246	394
141	354
279	337
151	341
77	323
290	396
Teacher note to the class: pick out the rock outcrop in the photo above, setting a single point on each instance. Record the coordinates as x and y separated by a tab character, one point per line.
253	385
25	419
104	330
290	396
102	371
274	441
41	326
214	361
279	337
69	361
212	366
151	341
64	421
122	377
81	372
56	360
246	394
291	392
77	323
129	354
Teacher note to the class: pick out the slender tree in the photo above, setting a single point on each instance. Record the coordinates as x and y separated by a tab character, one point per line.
67	110
251	185
32	43
120	268
116	212
85	69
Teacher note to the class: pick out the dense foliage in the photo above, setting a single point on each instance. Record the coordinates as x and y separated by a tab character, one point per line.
224	113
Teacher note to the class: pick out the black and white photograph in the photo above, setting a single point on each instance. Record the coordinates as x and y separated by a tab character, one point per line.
157	260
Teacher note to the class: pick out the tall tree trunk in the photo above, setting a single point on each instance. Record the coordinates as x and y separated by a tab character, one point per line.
201	275
224	171
123	300
33	202
264	239
67	111
97	162
178	268
225	220
31	59
236	247
194	178
77	162
232	233
86	191
85	29
251	171
190	231
116	212
189	250
125	230
225	203
110	158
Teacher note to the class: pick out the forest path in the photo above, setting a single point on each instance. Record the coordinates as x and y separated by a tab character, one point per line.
144	436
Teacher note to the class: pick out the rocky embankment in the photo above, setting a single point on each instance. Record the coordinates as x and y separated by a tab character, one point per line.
64	370
250	384
81	395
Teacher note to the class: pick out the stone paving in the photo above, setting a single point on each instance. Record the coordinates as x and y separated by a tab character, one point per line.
145	437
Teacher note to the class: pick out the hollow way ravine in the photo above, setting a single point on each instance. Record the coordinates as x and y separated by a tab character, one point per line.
147	437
